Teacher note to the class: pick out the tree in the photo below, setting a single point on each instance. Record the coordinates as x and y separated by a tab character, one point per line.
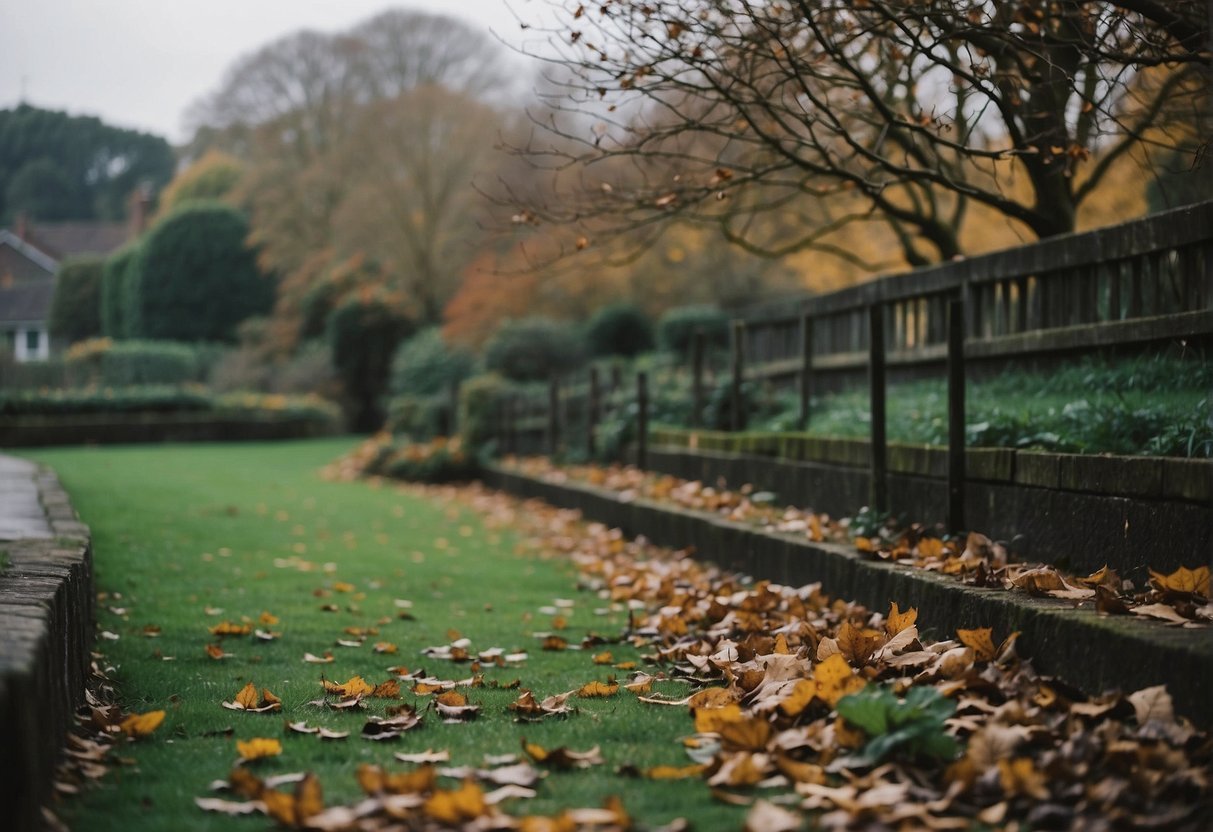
619	329
76	306
57	166
363	333
195	278
890	111
213	177
533	349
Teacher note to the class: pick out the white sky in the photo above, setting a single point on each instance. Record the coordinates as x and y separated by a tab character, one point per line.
141	63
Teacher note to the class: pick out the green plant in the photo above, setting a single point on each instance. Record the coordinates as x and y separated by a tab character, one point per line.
363	332
196	278
439	460
481	401
118	271
912	728
620	329
533	349
76	306
419	417
426	365
677	327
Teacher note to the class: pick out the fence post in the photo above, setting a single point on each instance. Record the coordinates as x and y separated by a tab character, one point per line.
737	421
697	339
806	368
879	490
453	392
591	420
554	416
956	415
642	420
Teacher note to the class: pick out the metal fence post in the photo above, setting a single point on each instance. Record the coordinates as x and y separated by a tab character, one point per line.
554	416
956	415
879	490
806	368
592	415
642	420
697	344
737	422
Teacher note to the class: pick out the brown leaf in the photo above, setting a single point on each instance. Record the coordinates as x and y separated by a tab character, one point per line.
898	620
981	640
1194	581
563	757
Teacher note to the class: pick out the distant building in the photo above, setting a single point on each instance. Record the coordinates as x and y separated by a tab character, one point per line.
30	255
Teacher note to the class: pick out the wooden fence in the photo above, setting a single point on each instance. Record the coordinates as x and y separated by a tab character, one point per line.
1145	281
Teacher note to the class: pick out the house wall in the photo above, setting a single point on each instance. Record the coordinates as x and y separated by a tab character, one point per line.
27	341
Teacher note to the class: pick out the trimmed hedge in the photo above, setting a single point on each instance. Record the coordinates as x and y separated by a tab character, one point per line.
116	275
76	306
677	327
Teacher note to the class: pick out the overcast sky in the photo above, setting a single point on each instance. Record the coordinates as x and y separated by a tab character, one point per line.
141	63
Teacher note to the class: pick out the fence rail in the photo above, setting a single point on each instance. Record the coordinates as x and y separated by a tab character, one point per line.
1149	280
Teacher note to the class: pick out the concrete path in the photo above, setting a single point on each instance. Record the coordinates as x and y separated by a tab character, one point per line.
22	516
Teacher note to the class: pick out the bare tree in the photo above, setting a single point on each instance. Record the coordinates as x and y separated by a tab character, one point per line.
900	111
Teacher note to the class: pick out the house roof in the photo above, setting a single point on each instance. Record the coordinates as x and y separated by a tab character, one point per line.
72	239
34	252
28	302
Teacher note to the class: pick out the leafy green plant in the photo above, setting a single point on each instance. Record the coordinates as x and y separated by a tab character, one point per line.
533	349
76	306
911	728
619	329
426	365
677	327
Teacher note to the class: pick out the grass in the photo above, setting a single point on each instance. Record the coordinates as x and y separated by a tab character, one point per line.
1157	405
179	528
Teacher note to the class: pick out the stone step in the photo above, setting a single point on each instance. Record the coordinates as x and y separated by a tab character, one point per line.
1093	652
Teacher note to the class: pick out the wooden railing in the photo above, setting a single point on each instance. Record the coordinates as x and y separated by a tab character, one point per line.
1150	280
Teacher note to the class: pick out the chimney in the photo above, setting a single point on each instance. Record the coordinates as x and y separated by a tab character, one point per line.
140	209
22	226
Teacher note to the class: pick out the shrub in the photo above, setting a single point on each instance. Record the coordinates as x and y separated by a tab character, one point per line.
677	327
438	461
76	306
426	365
102	361
363	333
419	417
533	349
195	278
115	276
213	176
480	401
620	329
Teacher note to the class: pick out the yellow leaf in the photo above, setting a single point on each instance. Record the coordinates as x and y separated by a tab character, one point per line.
981	640
1183	579
229	628
604	658
858	643
899	620
674	772
1020	777
215	651
802	694
257	748
712	698
140	725
593	690
711	720
458	806
247	697
268	620
342	586
835	679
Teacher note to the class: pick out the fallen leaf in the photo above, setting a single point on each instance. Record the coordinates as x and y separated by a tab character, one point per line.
898	620
141	725
257	748
981	640
1195	581
597	690
563	757
835	679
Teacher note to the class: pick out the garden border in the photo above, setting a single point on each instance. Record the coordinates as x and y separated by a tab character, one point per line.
47	617
1058	637
142	426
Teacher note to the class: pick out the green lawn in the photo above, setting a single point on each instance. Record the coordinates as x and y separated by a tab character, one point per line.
178	529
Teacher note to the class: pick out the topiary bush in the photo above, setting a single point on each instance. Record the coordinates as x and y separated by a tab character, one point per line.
480	401
425	365
533	349
76	306
619	329
363	333
108	363
195	278
115	275
677	327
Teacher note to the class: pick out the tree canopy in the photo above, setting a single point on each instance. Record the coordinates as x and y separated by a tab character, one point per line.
55	166
781	122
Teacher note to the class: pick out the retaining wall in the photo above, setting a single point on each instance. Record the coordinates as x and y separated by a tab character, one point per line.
1093	652
1077	511
36	431
46	635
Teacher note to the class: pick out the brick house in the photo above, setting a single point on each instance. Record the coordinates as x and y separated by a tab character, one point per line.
30	255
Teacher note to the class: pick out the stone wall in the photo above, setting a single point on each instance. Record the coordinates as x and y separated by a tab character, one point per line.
46	635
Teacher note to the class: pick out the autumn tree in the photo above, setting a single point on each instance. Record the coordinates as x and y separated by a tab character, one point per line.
360	143
817	115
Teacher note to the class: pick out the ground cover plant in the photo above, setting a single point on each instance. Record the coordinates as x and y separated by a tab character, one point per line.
694	693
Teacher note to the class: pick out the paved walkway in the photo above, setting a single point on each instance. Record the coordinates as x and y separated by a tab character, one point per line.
21	514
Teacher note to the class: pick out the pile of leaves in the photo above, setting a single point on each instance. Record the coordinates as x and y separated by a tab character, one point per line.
1180	598
438	460
823	706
